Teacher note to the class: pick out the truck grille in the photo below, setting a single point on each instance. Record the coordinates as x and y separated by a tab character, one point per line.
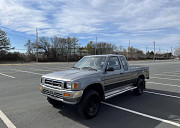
55	83
51	93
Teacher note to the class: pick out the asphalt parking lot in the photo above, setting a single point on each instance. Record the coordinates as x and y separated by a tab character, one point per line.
22	105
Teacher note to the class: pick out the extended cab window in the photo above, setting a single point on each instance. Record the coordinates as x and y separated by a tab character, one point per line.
114	63
124	63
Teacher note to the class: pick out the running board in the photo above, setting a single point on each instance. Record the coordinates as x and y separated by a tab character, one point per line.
118	91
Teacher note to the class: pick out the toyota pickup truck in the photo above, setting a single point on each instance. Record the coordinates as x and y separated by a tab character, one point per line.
91	80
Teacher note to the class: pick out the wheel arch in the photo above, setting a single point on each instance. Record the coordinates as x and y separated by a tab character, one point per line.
97	87
142	76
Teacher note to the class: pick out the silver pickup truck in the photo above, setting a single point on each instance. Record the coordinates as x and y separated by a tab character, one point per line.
91	80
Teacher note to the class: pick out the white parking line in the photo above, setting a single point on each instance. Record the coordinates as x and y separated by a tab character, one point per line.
166	75
162	94
59	68
172	72
40	69
142	114
164	84
27	72
164	78
8	123
176	73
6	75
51	69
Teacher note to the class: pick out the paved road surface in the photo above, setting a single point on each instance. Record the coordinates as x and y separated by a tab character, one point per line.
24	106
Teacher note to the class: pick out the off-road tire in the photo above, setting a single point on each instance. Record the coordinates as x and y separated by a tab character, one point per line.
140	87
89	105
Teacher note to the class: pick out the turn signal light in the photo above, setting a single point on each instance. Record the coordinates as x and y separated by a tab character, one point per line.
75	85
66	94
40	88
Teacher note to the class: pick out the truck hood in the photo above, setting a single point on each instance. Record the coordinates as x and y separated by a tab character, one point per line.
69	74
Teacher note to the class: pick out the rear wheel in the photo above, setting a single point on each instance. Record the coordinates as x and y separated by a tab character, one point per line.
89	105
140	87
53	102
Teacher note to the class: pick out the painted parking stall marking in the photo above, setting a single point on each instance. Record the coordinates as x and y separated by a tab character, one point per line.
166	75
176	73
172	85
8	123
142	114
6	75
156	93
164	78
40	69
172	72
27	72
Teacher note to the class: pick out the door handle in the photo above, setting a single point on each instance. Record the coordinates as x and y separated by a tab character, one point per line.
121	72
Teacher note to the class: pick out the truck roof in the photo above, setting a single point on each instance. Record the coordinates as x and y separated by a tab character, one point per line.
106	55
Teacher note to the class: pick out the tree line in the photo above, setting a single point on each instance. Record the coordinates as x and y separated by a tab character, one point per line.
51	49
55	49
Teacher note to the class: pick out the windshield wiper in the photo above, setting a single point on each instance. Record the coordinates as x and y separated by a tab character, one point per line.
89	68
75	67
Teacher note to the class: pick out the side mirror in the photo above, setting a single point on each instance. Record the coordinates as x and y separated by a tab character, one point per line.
110	69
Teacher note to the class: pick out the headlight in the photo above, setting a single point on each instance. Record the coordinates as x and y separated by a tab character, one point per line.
72	85
68	85
43	80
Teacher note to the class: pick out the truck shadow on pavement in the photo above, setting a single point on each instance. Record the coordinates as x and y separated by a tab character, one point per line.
150	104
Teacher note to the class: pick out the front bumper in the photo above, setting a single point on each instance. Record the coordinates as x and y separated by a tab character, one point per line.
57	94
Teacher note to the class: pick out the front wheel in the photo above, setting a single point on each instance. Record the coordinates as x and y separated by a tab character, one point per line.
140	87
89	105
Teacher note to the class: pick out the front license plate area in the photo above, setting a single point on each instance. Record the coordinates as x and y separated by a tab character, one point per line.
51	93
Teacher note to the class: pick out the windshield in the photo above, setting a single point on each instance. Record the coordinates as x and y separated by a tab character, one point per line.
92	62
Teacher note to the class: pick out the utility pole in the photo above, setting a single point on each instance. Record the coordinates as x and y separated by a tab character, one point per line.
154	50
159	52
167	53
128	51
171	53
36	45
146	48
96	46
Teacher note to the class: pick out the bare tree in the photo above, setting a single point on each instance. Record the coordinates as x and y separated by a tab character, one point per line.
30	49
104	48
70	43
44	46
89	47
177	51
54	47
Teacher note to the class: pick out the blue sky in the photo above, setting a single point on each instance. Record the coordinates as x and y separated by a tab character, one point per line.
114	21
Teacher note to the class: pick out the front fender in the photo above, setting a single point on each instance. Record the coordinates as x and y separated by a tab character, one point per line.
91	80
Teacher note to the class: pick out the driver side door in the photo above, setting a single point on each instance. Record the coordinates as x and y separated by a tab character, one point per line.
112	79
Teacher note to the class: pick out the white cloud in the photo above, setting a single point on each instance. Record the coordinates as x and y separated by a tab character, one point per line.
16	16
110	19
